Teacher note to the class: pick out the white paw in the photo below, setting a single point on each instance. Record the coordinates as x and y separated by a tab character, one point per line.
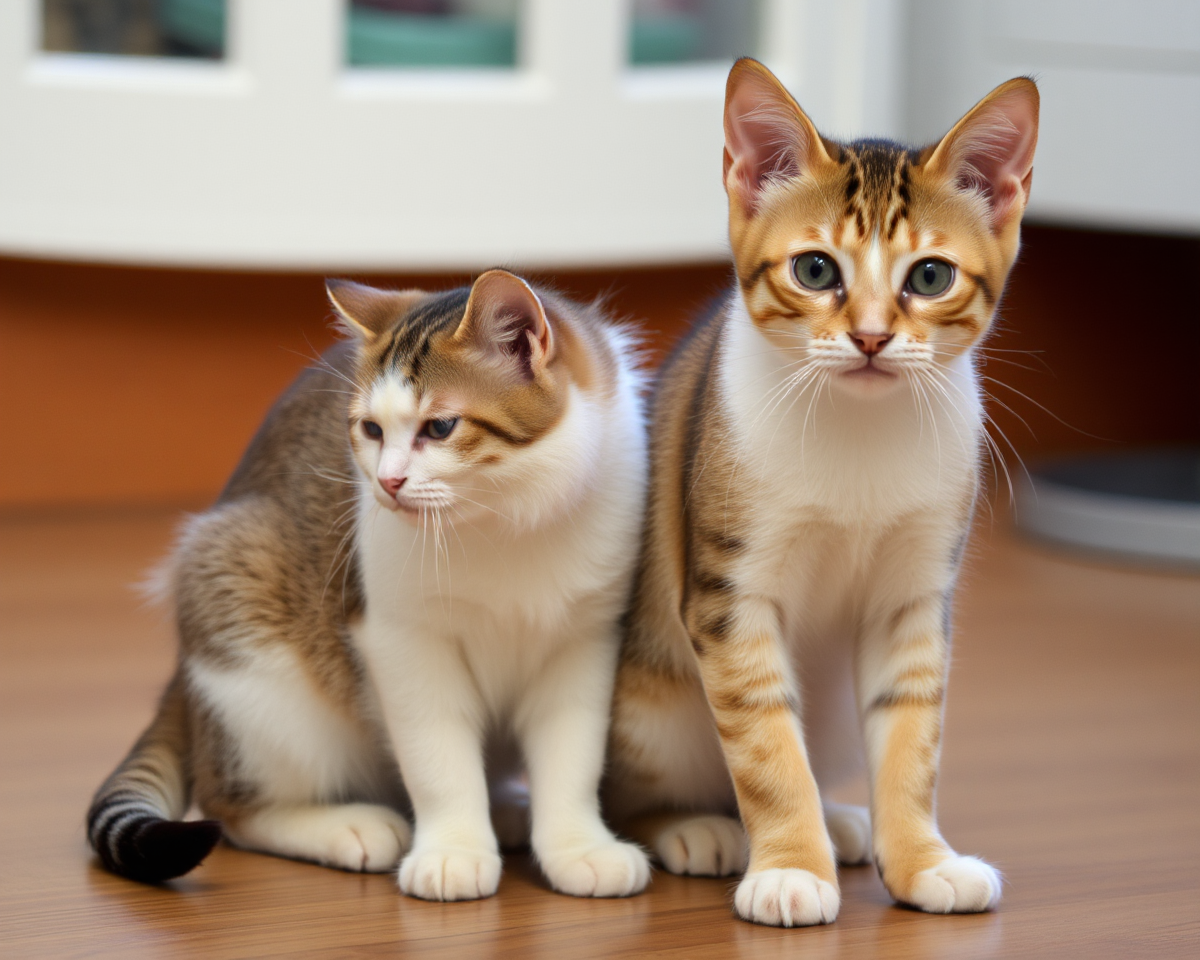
612	869
707	846
850	830
786	898
450	873
956	885
366	838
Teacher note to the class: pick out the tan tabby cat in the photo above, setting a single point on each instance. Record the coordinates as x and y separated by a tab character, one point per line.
426	549
814	467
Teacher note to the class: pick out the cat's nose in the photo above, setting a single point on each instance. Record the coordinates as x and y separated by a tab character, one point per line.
392	484
870	343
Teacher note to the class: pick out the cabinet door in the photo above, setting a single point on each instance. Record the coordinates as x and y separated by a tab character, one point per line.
1120	84
281	156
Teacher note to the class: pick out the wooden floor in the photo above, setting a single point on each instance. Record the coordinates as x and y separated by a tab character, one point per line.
1072	759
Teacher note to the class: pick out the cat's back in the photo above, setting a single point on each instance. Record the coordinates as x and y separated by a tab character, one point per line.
275	547
686	423
301	446
682	390
685	411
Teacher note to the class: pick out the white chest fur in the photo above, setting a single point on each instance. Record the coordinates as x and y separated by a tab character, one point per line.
825	478
506	595
814	453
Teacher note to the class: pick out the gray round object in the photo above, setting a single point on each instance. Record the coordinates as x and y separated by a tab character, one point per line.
1143	506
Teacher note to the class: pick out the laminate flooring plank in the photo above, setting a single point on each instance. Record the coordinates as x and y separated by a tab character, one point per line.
1071	759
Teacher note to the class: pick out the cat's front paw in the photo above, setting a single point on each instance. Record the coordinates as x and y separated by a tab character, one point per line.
850	830
612	869
450	873
956	885
786	898
708	846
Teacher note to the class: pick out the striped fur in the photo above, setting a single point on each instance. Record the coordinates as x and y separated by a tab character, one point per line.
814	466
370	611
133	822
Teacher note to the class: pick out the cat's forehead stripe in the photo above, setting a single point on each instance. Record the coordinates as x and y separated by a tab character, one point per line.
412	338
877	184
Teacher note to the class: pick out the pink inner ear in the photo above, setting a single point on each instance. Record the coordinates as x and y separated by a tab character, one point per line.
505	315
519	324
518	340
994	153
763	136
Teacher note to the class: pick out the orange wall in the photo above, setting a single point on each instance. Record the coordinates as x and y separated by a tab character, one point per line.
122	386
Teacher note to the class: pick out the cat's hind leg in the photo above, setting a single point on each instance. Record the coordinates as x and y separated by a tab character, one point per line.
277	763
834	740
849	828
510	814
697	845
667	785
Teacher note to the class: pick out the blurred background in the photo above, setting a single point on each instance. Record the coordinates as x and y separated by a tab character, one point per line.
176	177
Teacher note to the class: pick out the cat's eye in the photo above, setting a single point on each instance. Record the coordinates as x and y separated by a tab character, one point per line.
930	277
440	429
372	429
817	271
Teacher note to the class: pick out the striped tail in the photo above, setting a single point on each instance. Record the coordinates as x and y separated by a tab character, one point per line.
133	824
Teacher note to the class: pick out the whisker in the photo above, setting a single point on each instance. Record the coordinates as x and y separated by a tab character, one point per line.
341	553
1012	363
463	519
996	400
796	379
484	506
990	424
1024	396
349	481
340	393
424	541
822	380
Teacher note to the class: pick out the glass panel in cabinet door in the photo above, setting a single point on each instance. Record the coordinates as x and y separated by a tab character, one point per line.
140	28
432	33
692	31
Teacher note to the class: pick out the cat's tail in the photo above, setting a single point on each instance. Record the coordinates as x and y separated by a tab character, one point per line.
133	824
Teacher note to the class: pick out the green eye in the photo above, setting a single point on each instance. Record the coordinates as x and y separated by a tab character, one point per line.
817	271
440	429
930	277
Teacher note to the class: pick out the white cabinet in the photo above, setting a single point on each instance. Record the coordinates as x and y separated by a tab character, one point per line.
1120	84
282	157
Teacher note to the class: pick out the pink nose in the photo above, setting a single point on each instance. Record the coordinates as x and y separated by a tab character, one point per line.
870	343
392	484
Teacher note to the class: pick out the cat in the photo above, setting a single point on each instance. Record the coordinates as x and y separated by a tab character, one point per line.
815	461
419	564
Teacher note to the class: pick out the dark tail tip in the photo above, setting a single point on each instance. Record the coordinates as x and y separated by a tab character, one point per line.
153	850
170	848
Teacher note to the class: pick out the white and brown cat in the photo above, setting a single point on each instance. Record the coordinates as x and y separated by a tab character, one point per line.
815	462
422	558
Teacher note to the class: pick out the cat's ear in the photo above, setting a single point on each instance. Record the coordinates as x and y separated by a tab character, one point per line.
991	149
506	318
365	312
767	135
